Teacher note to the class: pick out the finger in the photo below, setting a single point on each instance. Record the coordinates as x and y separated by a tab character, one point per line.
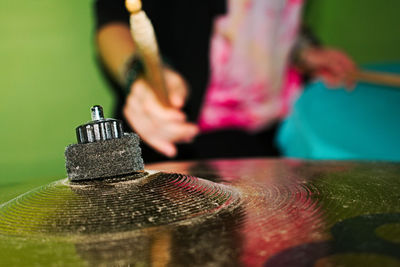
350	72
144	127
334	65
331	81
186	140
177	88
137	120
348	66
178	96
333	73
145	99
162	114
327	73
163	139
345	60
139	92
164	147
181	132
157	125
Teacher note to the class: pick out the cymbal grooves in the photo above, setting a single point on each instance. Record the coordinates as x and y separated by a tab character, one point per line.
161	198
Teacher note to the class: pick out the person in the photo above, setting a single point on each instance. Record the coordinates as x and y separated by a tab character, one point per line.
228	71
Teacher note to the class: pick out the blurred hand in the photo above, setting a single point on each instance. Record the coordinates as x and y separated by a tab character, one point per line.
159	126
333	66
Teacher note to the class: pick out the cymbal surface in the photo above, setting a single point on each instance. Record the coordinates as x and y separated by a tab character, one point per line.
70	210
257	212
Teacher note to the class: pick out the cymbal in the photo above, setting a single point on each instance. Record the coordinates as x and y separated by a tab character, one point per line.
251	212
70	210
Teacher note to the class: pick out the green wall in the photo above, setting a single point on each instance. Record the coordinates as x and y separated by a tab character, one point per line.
369	30
49	79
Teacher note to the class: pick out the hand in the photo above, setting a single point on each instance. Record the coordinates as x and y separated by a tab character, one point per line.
333	66
159	126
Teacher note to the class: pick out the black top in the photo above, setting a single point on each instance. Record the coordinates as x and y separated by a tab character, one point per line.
183	30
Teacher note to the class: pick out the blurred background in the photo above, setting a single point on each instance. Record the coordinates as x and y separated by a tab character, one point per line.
49	78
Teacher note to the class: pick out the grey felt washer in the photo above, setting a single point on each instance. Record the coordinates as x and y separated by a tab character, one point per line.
104	159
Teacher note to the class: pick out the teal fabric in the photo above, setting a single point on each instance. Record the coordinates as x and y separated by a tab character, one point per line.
363	124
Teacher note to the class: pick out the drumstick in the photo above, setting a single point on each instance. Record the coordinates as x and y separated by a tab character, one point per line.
146	44
383	78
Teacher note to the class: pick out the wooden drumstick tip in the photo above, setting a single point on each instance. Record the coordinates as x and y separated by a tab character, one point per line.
133	6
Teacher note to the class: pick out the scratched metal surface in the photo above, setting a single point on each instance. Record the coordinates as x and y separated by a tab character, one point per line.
257	212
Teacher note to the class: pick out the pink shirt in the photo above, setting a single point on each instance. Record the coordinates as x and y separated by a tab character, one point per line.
251	84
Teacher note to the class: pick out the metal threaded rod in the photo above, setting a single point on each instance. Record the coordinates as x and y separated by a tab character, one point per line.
97	113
